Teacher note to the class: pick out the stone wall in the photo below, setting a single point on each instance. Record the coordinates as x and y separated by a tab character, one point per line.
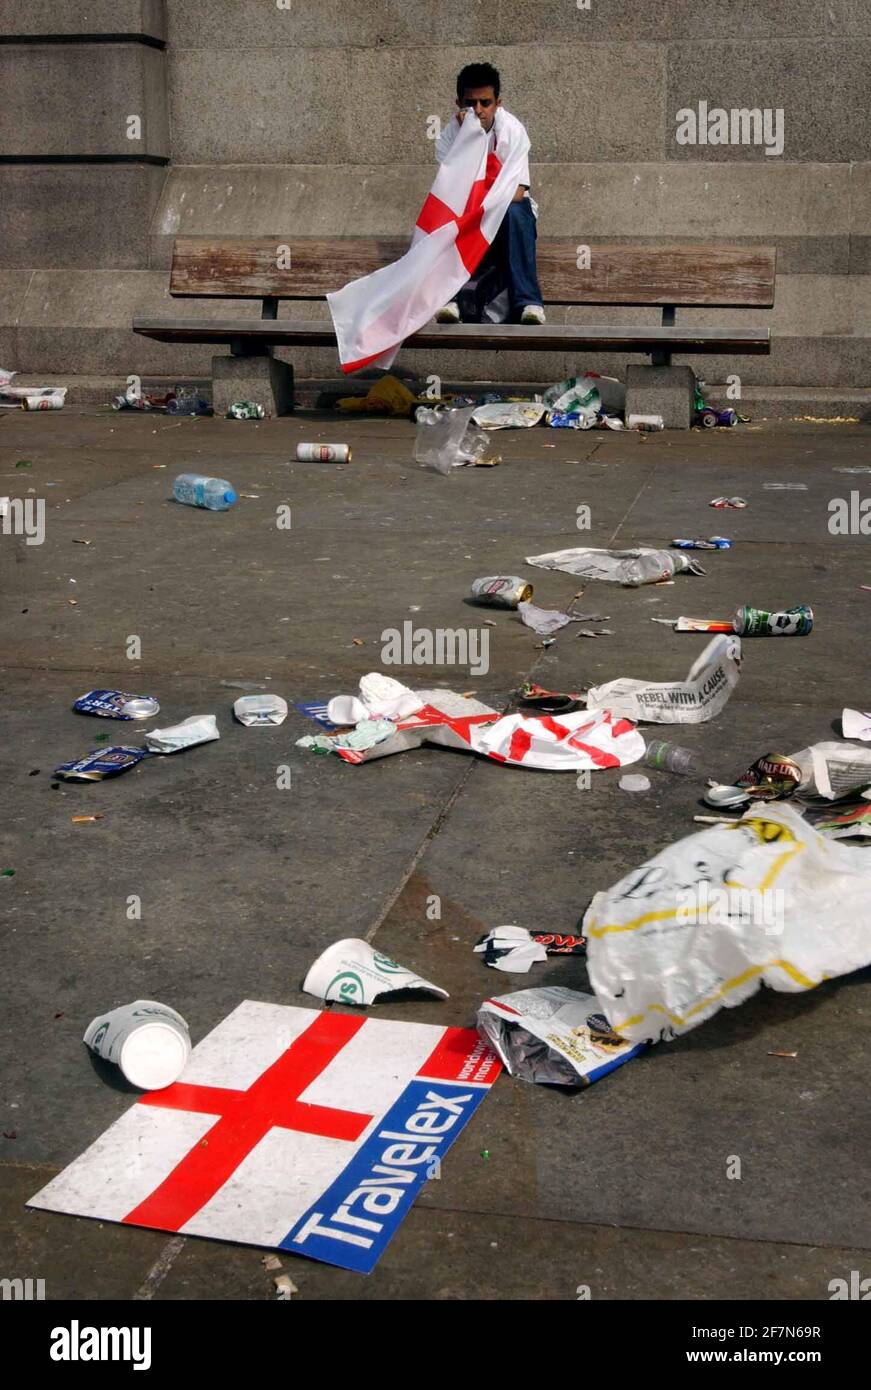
256	118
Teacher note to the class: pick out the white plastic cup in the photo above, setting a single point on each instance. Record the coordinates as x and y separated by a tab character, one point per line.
149	1042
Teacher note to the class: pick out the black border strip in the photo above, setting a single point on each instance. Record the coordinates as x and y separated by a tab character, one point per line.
147	39
85	159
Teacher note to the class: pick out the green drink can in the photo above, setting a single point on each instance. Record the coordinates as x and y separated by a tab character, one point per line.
792	622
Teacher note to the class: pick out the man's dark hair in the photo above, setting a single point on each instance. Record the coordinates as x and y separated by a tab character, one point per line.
476	75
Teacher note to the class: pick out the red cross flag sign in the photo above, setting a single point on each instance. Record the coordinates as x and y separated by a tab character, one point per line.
455	227
308	1131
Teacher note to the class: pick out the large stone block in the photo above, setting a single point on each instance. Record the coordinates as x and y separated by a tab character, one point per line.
38	18
665	391
720	201
263	378
279	199
542	21
820	87
328	23
83	215
327	106
75	99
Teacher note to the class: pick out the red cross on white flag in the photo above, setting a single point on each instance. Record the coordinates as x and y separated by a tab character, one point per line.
457	224
309	1131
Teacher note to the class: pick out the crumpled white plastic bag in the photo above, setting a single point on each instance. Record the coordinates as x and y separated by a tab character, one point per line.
677	939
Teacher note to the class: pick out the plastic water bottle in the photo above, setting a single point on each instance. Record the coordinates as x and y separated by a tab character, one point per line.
647	569
669	757
199	490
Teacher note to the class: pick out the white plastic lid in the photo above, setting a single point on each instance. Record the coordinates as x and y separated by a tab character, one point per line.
154	1056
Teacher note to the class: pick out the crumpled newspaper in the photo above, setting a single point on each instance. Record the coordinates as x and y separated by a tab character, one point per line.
711	680
642	565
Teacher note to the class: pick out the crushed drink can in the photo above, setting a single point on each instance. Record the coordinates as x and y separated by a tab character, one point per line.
758	622
771	777
117	704
324	453
501	591
52	398
100	764
149	1042
712	543
731	502
246	410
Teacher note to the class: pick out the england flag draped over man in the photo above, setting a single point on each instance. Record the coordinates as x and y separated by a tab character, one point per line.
484	172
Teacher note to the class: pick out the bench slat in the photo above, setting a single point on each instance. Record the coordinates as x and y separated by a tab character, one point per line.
688	274
547	338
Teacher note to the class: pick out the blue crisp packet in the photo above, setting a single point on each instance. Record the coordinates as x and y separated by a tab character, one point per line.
101	763
317	712
111	704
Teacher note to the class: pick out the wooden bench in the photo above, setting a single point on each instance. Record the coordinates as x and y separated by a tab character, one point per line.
664	277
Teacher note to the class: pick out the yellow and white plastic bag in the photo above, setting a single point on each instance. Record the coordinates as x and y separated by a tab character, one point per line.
704	924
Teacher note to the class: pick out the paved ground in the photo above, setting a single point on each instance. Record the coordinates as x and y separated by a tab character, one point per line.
623	1188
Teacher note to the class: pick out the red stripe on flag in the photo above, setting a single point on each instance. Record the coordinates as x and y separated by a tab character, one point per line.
599	757
453	1056
558	730
519	745
245	1117
435	214
623	726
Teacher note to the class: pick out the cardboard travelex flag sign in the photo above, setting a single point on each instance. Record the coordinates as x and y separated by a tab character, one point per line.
457	223
306	1131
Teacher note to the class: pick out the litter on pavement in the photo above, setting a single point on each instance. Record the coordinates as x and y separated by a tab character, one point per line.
632	568
148	1041
668	946
199	728
556	1036
353	972
281	1131
570	743
512	949
706	690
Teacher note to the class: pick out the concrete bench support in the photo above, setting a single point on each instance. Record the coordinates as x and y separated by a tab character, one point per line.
665	391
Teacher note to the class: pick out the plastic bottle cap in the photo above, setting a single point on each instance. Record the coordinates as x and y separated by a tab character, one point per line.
230	497
154	1056
635	782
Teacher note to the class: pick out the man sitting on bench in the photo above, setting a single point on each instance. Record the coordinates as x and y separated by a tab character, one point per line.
505	285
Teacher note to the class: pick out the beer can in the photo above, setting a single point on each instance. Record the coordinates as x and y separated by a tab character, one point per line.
501	591
324	453
117	704
757	622
101	763
246	410
712	543
45	400
149	1042
771	777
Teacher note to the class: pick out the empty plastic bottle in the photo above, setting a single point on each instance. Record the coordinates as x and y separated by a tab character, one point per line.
199	490
669	757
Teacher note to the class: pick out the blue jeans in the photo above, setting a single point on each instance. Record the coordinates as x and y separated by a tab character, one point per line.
509	264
